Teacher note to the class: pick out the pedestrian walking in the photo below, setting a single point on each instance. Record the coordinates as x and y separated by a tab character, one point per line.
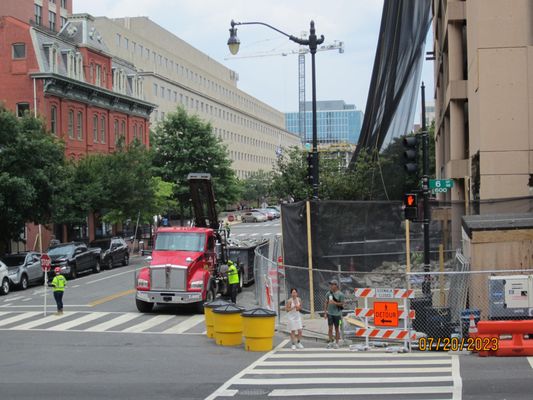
227	228
233	280
58	283
333	312
294	317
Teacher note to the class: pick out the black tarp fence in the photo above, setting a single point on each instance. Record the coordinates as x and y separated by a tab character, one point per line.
396	73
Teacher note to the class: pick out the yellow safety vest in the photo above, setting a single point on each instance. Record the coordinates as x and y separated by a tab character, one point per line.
59	283
233	274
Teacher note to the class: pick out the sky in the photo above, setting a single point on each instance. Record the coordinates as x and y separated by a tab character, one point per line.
274	79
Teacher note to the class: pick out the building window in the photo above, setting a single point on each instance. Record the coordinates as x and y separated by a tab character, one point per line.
135	131
53	120
141	133
22	109
64	3
123	128
38	14
19	51
102	130
71	124
155	89
117	39
63	22
98	79
115	131
126	43
52	20
80	125
95	128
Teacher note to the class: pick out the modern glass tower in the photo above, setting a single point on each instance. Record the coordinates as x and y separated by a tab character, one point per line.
337	122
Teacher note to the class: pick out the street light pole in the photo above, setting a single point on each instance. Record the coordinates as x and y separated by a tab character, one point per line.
312	41
426	285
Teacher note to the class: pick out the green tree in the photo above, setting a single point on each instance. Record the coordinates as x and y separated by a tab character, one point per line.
289	178
183	144
31	168
257	187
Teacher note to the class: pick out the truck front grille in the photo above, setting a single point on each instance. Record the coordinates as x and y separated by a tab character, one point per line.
169	277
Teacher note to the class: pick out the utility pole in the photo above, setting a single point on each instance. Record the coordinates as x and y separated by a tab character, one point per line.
426	285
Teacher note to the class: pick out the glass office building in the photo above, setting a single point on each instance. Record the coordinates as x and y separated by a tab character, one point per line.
337	122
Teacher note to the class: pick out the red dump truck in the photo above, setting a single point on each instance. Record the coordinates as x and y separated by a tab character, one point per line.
188	265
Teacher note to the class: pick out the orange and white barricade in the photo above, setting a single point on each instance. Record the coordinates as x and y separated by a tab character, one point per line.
386	316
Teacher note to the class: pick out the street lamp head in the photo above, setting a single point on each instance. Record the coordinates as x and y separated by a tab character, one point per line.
233	41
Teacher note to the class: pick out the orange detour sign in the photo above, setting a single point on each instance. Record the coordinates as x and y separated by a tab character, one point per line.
385	313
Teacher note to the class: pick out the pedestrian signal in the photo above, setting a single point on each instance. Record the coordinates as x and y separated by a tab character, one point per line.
410	202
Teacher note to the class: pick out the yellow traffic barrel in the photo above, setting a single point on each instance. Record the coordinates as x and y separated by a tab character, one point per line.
258	329
208	312
228	325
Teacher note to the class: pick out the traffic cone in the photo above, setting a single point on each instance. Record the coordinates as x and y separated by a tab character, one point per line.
472	328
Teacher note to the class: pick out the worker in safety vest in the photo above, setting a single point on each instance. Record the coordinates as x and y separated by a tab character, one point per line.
233	280
58	283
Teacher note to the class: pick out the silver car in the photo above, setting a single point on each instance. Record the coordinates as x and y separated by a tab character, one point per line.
24	268
253	216
4	279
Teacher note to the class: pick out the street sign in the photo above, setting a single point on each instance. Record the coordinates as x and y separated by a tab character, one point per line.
440	183
385	313
385	293
46	262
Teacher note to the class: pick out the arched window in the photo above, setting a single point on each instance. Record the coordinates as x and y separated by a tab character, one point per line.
103	129
115	131
53	120
80	125
95	128
71	124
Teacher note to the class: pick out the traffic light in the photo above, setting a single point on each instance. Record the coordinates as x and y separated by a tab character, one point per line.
410	202
411	154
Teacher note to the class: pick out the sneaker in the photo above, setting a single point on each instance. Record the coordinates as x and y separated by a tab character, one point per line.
300	346
293	347
329	345
335	345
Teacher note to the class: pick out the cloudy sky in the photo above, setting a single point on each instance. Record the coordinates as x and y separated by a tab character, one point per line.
273	79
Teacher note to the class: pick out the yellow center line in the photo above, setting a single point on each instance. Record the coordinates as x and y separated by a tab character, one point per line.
111	297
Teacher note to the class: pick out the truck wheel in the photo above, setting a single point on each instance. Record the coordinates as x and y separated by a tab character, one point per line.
143	306
97	267
4	288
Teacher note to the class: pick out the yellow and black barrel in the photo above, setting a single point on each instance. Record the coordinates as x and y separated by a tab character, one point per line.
208	312
258	329
228	325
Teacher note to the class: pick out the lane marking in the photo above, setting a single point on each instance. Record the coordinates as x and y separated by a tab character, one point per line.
340	380
292	371
359	391
457	381
75	286
78	321
13	298
530	359
111	297
185	325
254	234
27	299
113	322
17	318
267	234
223	390
362	355
154	321
360	362
112	276
41	306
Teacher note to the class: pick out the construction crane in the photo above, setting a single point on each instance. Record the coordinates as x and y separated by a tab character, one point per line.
302	51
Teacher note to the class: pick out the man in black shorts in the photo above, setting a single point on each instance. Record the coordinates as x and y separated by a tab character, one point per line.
333	312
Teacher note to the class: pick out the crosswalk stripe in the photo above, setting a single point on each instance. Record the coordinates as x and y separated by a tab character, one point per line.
267	234
253	234
360	355
185	325
340	380
113	322
241	234
13	298
4	312
19	317
353	363
360	391
78	321
38	322
149	324
308	371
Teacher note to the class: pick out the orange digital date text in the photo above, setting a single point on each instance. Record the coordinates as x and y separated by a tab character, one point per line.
459	344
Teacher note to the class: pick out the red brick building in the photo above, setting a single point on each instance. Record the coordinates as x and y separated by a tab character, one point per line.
88	98
51	14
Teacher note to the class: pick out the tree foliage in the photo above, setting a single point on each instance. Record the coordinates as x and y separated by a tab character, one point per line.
31	169
183	144
257	187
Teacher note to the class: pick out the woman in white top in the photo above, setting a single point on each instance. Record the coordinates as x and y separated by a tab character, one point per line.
293	306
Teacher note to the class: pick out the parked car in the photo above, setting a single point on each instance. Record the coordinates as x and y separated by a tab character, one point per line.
114	251
24	268
269	215
4	279
275	210
253	216
74	258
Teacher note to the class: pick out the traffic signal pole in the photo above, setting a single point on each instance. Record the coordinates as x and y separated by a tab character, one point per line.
426	285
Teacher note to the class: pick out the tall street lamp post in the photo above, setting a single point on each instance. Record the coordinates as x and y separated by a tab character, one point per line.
312	41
